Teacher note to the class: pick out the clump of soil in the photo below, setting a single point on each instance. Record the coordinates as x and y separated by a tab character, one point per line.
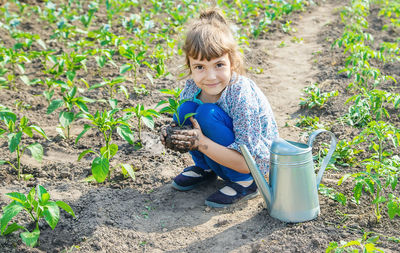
171	130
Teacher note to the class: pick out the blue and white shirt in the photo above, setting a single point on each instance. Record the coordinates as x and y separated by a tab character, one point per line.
253	121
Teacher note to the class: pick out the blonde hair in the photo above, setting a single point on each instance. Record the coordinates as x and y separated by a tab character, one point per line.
210	37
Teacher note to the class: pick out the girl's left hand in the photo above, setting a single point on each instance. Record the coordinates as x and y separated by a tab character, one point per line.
188	139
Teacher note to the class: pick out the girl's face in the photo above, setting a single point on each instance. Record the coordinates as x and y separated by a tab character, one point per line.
211	76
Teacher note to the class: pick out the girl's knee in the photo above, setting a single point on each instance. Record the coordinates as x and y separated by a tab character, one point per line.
208	112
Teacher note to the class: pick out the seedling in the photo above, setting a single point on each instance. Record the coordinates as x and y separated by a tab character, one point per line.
68	115
111	85
145	116
316	98
173	105
37	205
106	124
14	131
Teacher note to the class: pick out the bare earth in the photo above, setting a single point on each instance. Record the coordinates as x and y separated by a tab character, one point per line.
147	215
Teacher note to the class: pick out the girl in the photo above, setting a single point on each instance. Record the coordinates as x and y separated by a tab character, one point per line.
230	110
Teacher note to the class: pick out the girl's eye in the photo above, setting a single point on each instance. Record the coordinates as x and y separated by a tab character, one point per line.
220	65
198	67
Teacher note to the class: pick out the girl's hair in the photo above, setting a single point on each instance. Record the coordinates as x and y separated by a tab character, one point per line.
210	37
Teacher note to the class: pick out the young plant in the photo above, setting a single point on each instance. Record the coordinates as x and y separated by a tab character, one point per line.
37	205
378	134
316	98
106	123
68	115
173	105
365	244
112	85
145	116
136	59
14	131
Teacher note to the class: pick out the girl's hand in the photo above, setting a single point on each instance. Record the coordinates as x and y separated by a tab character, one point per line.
188	139
163	131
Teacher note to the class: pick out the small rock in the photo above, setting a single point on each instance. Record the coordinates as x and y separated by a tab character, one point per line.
244	236
165	229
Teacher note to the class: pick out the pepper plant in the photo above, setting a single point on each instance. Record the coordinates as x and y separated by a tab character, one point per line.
173	104
145	116
38	205
14	131
107	123
69	114
316	98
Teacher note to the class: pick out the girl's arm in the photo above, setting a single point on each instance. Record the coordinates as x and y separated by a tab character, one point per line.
195	140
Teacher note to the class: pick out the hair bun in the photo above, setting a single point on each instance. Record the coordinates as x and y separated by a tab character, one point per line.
213	15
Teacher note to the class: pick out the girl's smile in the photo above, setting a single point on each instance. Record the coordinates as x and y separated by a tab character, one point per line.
211	77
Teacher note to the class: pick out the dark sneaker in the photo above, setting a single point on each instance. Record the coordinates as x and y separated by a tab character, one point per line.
218	199
186	183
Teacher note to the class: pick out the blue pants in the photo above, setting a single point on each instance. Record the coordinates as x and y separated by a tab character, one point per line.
216	125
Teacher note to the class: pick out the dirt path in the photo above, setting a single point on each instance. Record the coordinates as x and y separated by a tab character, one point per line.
290	66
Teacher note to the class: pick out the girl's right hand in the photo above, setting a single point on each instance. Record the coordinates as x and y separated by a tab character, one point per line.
163	135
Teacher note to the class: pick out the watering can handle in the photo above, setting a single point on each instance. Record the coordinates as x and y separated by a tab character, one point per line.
330	152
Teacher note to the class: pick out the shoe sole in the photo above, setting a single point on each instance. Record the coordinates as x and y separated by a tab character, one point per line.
218	205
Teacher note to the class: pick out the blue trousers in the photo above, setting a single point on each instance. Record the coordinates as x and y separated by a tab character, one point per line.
217	126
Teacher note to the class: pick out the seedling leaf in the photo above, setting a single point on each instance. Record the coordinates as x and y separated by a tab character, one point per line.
30	239
66	207
51	214
9	212
36	151
100	168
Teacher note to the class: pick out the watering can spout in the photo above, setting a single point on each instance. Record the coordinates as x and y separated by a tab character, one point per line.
262	184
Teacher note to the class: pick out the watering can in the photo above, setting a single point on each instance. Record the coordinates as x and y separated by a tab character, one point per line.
292	192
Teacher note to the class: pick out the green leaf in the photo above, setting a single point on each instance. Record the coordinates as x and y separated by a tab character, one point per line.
39	130
66	118
54	105
82	154
9	212
357	191
125	68
148	121
393	209
36	151
126	133
25	79
19	197
40	191
30	239
12	228
128	169
113	148
85	129
51	214
100	168
66	207
14	140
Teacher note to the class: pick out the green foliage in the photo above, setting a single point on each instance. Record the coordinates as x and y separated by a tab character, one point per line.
309	122
14	129
173	105
38	206
333	194
145	116
106	123
68	114
366	244
316	98
112	85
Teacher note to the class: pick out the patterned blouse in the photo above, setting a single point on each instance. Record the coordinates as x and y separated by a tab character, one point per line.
253	121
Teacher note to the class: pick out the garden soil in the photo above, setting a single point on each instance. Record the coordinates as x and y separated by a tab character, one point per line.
147	215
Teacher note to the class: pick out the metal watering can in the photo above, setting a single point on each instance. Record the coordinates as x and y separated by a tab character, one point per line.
292	194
